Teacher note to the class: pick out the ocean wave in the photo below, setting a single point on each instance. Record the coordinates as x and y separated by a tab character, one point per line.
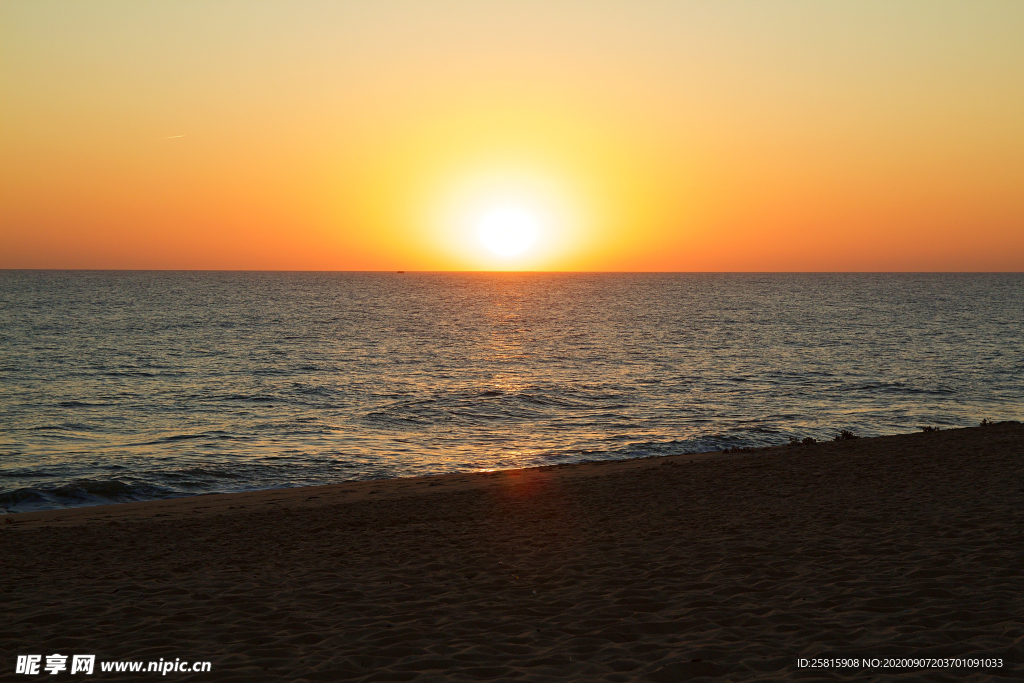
174	438
920	386
80	493
21	498
308	390
64	427
28	473
205	472
494	404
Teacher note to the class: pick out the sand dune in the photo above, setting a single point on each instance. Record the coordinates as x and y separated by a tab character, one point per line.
665	569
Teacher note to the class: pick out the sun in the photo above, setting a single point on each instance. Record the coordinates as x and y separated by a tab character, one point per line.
508	230
502	217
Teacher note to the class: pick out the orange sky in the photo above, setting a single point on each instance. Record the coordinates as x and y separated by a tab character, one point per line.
722	136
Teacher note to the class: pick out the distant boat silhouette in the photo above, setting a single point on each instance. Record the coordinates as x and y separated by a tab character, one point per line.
401	272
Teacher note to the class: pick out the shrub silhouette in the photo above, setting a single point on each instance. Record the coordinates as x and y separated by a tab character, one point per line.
845	435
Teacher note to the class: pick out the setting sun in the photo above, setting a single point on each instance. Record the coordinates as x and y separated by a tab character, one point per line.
508	231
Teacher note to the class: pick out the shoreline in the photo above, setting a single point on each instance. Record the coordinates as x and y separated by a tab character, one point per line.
346	492
342	492
350	491
657	569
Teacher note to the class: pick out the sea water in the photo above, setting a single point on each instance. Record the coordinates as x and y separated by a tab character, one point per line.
120	386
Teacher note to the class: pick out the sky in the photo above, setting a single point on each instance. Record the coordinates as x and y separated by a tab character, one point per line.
638	135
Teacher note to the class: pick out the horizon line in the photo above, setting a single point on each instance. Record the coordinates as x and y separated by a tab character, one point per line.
524	272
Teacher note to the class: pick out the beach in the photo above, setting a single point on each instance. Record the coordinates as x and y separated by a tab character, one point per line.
730	566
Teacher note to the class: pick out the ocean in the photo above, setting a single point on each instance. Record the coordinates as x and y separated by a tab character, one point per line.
118	386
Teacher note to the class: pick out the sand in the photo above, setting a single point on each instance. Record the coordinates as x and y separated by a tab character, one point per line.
719	566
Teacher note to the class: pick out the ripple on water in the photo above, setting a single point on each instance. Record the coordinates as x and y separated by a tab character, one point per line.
126	386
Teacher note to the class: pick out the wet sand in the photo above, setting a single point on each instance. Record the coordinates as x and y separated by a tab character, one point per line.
717	566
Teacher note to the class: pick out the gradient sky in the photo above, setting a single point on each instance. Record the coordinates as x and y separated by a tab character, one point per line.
643	135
